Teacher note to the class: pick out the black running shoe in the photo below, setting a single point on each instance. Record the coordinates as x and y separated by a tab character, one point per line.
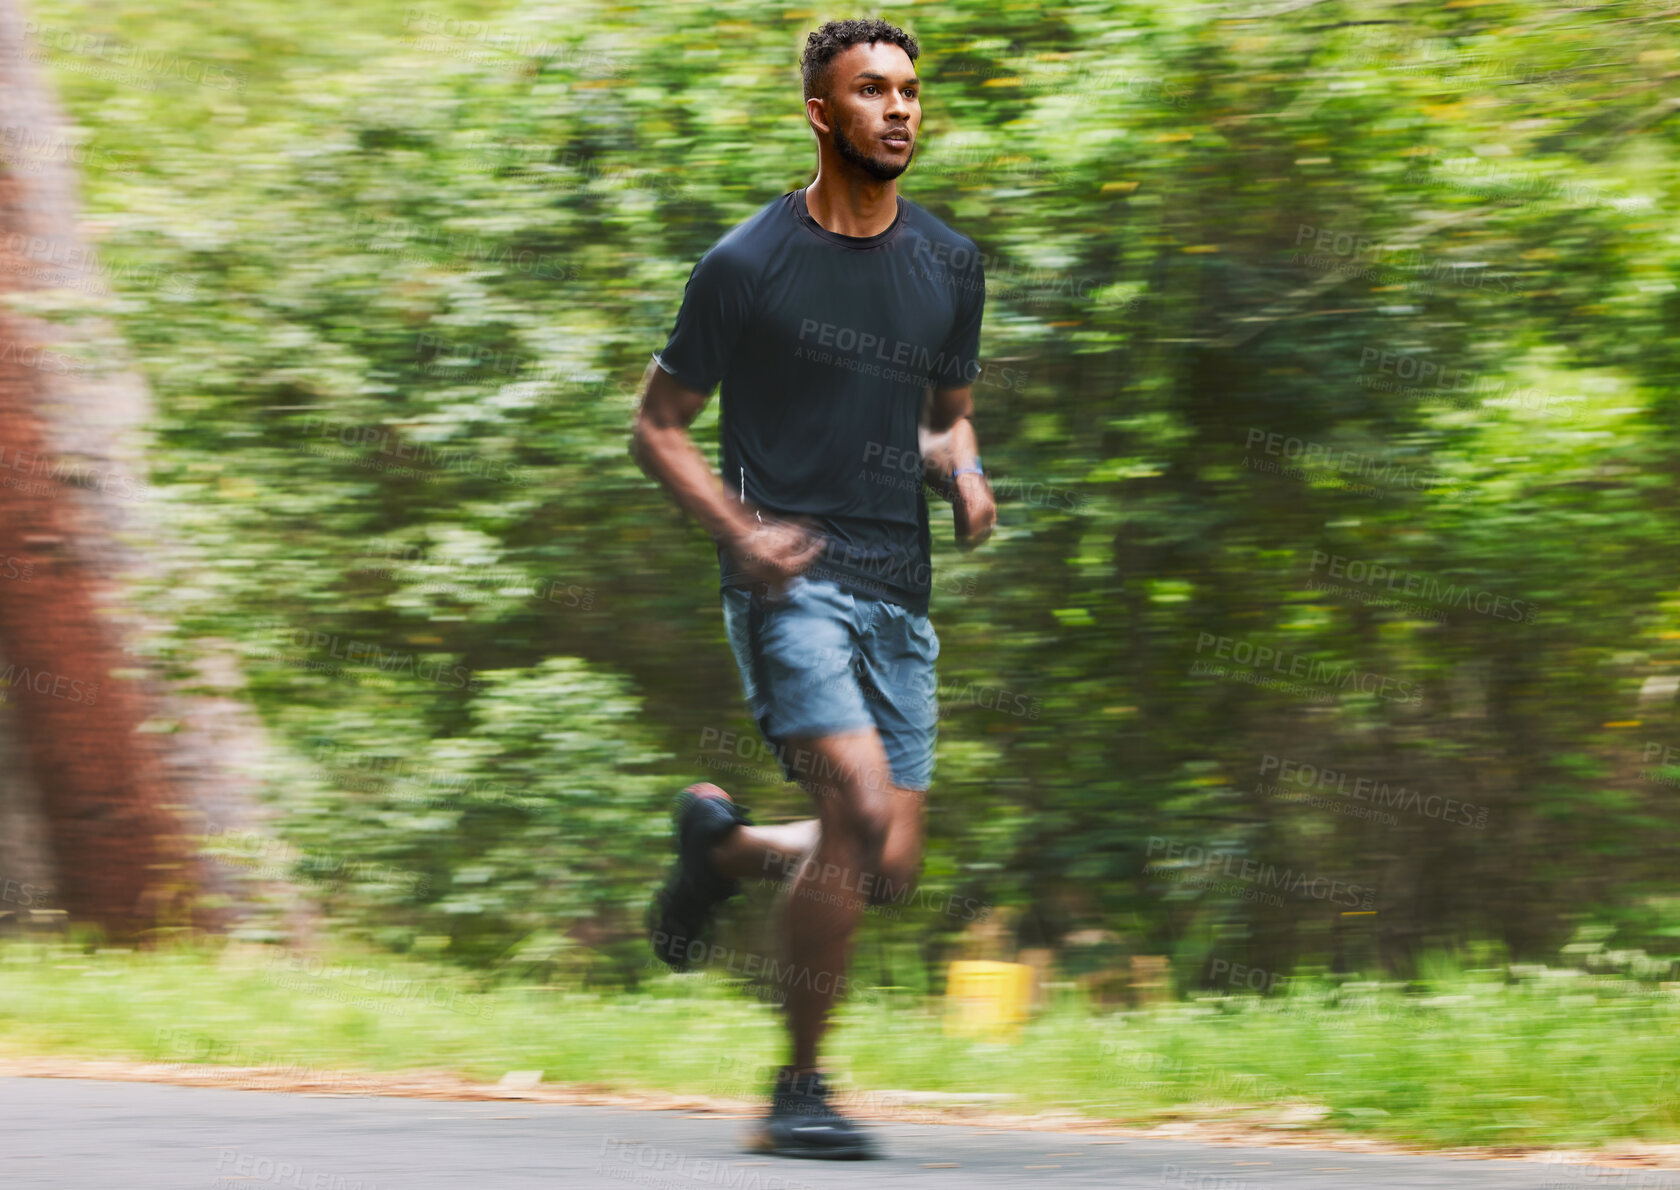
683	908
801	1122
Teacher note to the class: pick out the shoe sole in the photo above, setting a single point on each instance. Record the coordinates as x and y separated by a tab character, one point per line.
700	789
759	1141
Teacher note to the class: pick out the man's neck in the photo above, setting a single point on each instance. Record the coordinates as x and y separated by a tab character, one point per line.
850	202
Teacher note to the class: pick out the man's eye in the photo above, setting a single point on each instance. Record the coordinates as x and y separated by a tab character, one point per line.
868	88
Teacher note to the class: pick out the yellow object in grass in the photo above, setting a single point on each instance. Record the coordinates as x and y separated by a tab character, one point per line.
987	999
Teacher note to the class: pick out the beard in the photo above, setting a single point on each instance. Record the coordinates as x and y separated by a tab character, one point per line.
881	169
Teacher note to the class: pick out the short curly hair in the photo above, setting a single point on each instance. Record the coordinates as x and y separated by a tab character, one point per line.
824	43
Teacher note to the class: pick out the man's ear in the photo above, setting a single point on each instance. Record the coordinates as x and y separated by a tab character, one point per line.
817	114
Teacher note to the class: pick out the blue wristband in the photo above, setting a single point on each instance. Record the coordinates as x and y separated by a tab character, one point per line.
974	470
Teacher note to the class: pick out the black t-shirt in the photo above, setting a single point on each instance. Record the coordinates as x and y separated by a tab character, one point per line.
824	345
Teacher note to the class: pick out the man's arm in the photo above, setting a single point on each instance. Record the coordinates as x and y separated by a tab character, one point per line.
948	442
772	551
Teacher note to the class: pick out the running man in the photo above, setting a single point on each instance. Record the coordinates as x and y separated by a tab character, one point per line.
842	322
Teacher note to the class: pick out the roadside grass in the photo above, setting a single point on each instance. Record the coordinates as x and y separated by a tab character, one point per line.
1551	1059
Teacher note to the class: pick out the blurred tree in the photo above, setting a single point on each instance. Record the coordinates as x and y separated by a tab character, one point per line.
66	675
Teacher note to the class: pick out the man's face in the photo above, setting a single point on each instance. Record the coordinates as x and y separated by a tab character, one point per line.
872	108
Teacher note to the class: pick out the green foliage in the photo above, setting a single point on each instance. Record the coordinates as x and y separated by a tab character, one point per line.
537	818
413	276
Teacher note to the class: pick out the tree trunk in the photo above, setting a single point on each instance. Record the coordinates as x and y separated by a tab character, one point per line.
96	730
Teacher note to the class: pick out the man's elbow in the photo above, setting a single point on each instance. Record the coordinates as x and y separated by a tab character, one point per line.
947	408
641	448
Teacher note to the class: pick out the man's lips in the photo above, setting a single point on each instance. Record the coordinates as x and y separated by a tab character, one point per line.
897	138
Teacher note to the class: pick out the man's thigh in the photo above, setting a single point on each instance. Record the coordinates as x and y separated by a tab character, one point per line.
896	655
851	786
820	662
796	656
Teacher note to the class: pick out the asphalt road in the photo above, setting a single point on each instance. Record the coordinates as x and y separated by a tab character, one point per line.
78	1134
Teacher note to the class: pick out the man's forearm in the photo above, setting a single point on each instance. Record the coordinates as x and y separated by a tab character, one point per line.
670	456
945	452
665	452
965	445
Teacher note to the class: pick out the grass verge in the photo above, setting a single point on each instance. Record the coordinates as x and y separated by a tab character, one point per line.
1480	1059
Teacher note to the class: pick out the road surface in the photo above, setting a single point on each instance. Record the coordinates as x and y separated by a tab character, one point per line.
80	1134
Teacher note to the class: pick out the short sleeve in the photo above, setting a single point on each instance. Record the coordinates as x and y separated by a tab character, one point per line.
958	363
717	302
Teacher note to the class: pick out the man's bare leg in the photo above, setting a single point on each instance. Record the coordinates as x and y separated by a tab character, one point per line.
868	848
763	852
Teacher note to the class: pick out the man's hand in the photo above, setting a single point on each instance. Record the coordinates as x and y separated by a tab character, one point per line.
946	438
774	551
973	509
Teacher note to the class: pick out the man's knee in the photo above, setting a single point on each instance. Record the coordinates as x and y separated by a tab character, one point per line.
870	824
895	874
894	879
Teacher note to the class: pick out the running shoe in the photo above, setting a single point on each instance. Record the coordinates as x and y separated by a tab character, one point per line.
803	1123
684	907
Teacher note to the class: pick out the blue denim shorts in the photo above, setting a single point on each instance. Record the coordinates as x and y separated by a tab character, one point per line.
818	661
